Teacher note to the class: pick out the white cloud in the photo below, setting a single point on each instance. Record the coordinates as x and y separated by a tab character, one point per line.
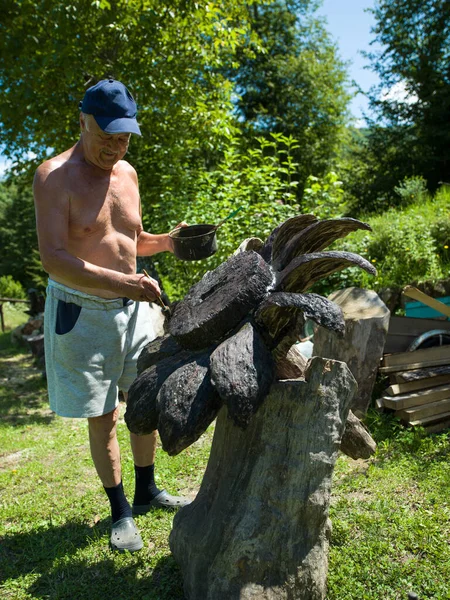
399	93
5	164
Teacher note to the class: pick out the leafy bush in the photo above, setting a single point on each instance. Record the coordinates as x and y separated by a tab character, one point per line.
324	197
260	180
407	246
412	189
10	288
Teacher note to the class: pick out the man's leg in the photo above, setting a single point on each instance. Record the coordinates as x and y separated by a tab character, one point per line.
105	453
105	450
147	495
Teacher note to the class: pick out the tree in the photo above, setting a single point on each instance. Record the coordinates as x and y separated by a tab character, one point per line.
296	86
410	134
167	53
18	239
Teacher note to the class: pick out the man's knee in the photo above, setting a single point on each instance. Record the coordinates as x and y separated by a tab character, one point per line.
104	424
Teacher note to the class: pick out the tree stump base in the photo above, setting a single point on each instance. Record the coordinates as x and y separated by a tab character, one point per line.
259	527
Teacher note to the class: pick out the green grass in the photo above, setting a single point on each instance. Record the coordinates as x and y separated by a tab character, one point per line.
390	514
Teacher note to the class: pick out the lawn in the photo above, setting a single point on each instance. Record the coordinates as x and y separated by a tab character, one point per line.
391	513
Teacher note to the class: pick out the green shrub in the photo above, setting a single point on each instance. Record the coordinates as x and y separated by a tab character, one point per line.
10	288
411	190
260	180
407	246
324	197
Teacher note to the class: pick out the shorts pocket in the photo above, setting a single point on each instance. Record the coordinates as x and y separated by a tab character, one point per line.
67	314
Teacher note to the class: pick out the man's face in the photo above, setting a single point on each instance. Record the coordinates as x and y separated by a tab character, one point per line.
102	149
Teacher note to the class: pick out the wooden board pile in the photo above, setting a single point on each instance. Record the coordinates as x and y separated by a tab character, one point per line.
419	390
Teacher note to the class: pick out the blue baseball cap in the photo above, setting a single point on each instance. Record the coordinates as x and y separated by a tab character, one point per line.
112	106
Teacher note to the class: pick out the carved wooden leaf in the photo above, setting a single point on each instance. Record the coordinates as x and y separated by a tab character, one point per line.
304	271
278	310
315	238
283	233
188	403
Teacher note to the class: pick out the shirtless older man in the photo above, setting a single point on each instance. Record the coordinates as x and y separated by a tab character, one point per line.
97	316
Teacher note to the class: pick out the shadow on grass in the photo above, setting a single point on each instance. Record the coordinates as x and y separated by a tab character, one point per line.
55	556
23	390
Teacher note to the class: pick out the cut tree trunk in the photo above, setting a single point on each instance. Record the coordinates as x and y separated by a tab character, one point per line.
366	323
357	441
259	527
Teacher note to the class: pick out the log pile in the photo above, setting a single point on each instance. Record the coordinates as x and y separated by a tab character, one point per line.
419	390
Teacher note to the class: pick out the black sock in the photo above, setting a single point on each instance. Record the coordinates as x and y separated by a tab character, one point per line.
119	504
146	488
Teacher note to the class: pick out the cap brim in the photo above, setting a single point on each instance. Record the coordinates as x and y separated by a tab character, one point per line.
123	125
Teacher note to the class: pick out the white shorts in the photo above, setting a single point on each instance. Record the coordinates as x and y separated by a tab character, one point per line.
91	349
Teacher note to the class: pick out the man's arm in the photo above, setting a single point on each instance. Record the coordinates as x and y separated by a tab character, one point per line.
149	243
52	220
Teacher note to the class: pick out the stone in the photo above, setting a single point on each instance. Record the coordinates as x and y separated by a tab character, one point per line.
357	441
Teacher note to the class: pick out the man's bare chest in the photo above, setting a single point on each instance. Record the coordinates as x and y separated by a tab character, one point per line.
100	209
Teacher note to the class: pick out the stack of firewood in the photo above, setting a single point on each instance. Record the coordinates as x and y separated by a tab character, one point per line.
419	390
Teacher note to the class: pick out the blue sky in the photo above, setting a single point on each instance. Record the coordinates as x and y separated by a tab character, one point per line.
349	25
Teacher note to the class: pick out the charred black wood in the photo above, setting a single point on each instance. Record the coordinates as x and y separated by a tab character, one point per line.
157	350
304	271
188	403
278	312
282	234
221	300
142	413
315	238
242	371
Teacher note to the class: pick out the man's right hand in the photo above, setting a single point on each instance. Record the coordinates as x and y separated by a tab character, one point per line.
141	288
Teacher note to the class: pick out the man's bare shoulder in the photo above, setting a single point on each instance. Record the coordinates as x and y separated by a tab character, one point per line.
56	166
124	167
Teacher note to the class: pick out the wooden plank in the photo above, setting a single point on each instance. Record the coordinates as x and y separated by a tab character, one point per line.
418	413
421	374
428	421
417	398
412	365
416	294
404	330
419	384
437	427
421	355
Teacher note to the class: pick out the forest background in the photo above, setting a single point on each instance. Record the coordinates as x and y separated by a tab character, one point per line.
240	104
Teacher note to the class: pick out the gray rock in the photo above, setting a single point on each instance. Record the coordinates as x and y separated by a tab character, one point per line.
366	326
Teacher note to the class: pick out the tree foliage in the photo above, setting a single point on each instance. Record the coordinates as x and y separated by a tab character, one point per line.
296	86
410	134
